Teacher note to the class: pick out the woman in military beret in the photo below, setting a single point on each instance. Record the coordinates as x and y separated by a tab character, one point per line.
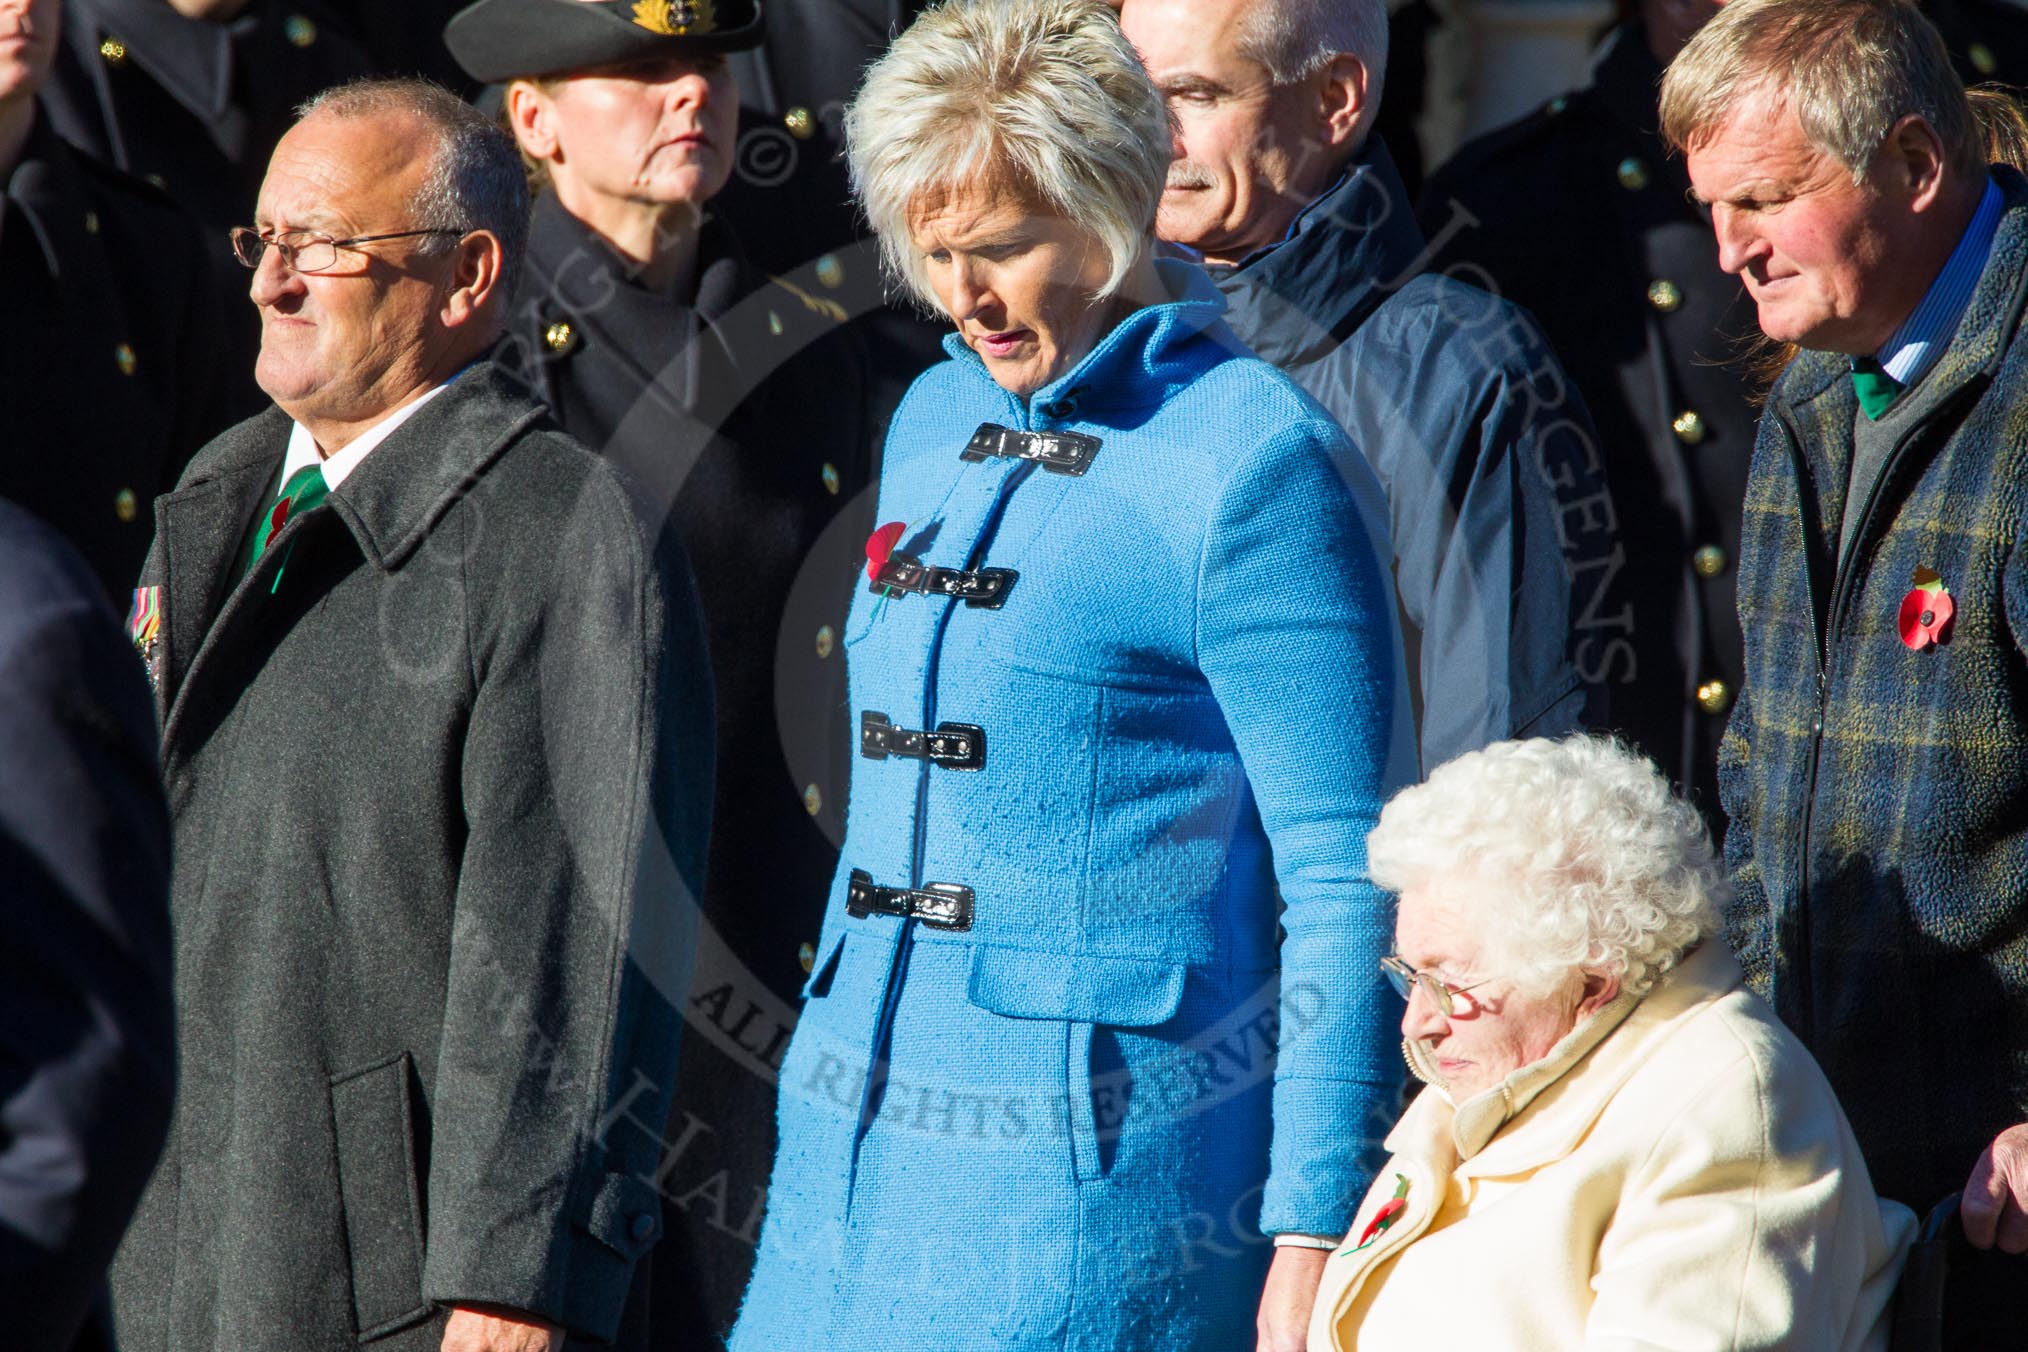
1125	668
737	402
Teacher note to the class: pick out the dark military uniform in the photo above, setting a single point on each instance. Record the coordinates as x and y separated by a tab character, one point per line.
111	371
1988	39
742	410
196	108
1579	214
406	37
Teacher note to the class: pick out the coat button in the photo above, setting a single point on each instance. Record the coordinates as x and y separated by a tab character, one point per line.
831	481
91	222
1633	174
643	1225
1982	58
1714	697
1664	295
125	505
808	957
299	31
123	357
830	271
799	122
161	183
114	51
774	324
559	336
1557	105
813	801
1709	561
1689	427
826	641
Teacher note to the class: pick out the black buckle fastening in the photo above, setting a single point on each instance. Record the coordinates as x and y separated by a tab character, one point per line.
1058	452
957	746
944	906
979	588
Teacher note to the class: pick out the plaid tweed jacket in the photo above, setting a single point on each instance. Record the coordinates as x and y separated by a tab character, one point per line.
1878	793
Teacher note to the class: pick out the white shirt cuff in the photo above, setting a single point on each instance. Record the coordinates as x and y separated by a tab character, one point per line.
1304	1242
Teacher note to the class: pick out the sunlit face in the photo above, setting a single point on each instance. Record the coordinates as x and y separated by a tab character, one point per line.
1818	253
1494	1029
1019	281
349	342
1244	146
660	131
27	46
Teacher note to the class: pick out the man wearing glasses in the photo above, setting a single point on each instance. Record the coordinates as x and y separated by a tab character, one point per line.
437	734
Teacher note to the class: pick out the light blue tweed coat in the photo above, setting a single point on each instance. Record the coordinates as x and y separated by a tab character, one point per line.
1074	1134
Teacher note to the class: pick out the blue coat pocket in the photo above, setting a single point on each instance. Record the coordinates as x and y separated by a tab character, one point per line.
1122	992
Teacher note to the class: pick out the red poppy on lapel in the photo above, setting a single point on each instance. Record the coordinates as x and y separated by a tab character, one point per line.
881	543
1926	612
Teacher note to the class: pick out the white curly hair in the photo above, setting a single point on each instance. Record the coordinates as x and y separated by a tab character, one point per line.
1589	860
1045	97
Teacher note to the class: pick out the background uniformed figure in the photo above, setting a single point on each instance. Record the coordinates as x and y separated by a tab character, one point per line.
739	402
192	96
111	366
1578	214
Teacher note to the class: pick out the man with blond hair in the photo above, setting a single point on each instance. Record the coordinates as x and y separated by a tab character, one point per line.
1875	769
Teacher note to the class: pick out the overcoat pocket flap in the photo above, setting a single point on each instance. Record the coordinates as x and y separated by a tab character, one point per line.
373	1120
625	1215
1122	992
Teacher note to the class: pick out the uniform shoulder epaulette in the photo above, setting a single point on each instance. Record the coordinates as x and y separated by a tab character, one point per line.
818	305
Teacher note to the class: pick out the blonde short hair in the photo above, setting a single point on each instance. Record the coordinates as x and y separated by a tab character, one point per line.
1591	861
1044	97
1850	69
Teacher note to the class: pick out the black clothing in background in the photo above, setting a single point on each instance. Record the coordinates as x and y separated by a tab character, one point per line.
87	1050
112	364
741	409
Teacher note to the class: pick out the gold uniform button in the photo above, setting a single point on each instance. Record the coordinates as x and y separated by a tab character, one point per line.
831	480
159	181
830	271
826	641
1633	174
114	51
1689	427
813	801
559	336
300	31
1714	697
801	125
1709	561
125	505
123	357
808	957
91	222
1983	60
1557	105
774	324
1664	295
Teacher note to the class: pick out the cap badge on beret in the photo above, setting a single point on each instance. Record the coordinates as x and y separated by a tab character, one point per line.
676	18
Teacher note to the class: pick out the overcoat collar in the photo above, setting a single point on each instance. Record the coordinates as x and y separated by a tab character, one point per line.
1141	361
1347	252
1541	1111
389	503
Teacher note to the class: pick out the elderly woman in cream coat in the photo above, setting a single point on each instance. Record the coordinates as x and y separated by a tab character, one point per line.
1619	1146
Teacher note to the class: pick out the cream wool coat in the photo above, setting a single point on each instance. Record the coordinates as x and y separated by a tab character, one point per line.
1674	1174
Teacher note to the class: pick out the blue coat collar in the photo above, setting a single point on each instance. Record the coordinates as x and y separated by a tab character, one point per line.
1139	362
1346	253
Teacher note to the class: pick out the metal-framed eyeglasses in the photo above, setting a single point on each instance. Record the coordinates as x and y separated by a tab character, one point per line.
307	251
1405	979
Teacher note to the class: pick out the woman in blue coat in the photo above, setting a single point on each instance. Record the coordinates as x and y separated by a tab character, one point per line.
1127	680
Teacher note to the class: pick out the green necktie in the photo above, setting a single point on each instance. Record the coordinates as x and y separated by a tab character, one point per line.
304	490
1876	389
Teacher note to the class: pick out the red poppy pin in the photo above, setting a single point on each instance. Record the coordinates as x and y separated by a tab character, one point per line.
1926	612
279	517
881	543
1383	1219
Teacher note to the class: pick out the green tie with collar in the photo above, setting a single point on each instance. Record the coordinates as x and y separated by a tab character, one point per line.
305	489
1876	389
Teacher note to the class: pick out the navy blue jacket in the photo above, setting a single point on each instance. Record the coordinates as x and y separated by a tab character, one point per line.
86	1054
1503	532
